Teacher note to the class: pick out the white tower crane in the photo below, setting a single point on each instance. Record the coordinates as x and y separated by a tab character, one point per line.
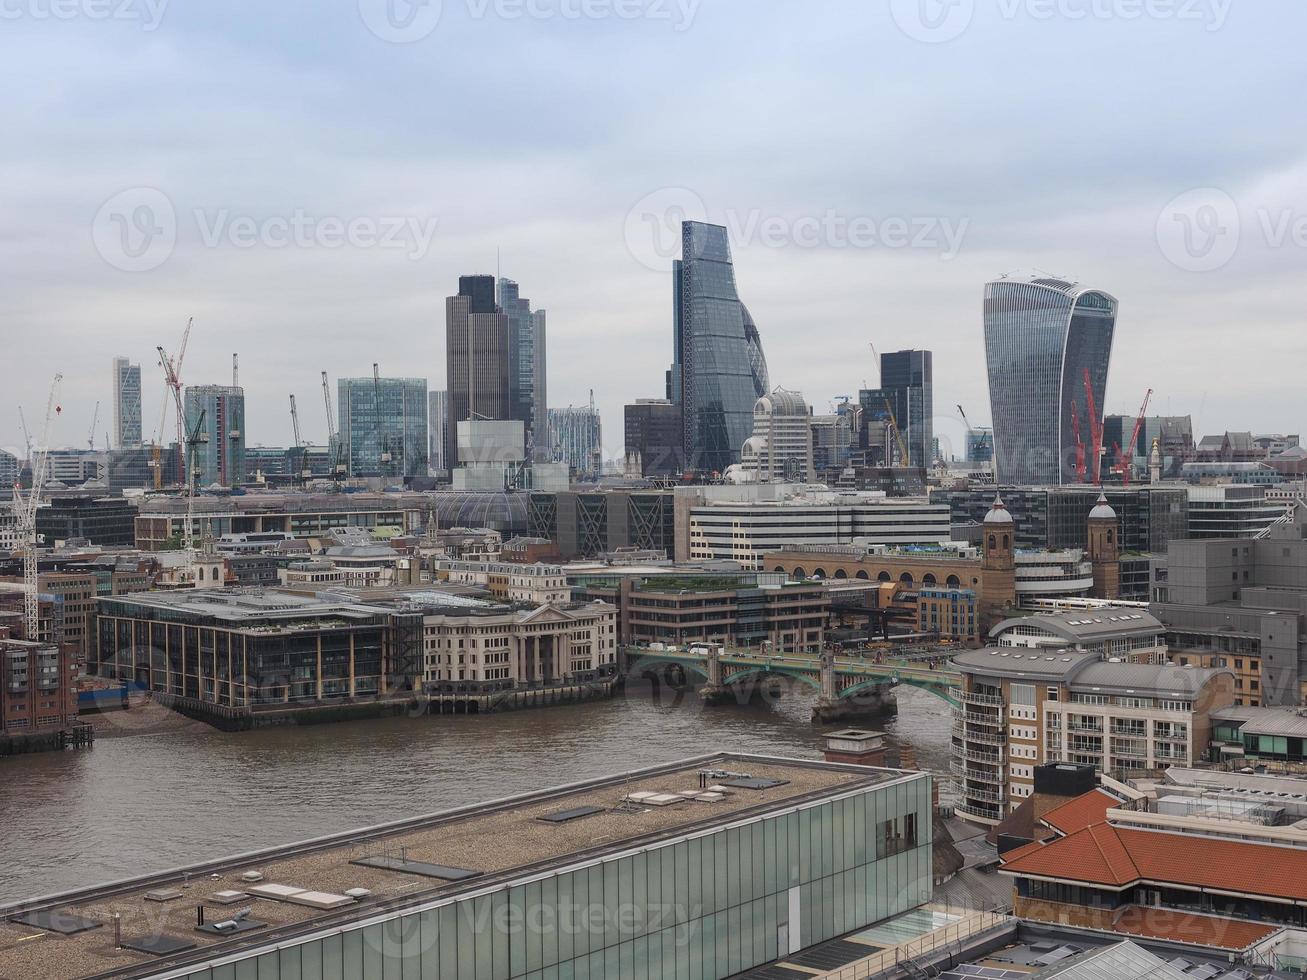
339	470
25	512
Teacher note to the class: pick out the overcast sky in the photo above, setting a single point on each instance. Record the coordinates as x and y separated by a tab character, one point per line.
876	161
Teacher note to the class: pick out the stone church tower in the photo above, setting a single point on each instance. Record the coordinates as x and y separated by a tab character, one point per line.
1105	550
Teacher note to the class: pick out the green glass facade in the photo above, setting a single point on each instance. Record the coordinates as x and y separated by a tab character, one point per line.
704	905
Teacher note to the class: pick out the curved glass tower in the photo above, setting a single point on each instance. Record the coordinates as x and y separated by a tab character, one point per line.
1041	335
719	370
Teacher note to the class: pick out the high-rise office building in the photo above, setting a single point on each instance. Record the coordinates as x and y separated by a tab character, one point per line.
1041	337
780	449
383	426
438	429
653	438
215	417
907	381
719	371
126	404
8	470
478	358
577	439
527	371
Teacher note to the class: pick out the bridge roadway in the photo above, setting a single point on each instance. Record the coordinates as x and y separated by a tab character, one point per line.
836	679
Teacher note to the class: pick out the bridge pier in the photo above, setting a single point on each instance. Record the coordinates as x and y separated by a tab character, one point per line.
868	703
714	691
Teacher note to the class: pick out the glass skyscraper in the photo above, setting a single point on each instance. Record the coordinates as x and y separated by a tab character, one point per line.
527	371
384	418
719	370
126	404
907	377
219	456
1041	336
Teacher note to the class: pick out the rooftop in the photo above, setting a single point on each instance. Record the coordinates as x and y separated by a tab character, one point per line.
431	857
1117	857
1081	626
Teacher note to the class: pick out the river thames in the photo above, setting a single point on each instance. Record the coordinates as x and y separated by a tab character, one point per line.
140	803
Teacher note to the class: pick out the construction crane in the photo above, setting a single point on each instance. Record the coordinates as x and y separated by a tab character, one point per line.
1095	431
172	373
27	436
90	436
1080	442
1125	463
898	434
334	445
197	436
383	443
25	517
302	473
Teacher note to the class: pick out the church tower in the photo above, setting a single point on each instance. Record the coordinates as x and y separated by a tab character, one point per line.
1105	550
998	565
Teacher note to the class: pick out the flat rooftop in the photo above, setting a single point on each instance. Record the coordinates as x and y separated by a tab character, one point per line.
496	842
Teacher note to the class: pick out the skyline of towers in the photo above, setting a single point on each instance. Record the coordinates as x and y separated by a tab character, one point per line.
718	370
1042	335
126	404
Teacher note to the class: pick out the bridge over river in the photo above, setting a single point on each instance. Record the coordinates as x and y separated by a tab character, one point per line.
846	685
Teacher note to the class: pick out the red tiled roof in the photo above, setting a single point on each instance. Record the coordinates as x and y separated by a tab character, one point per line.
1117	856
1201	930
1081	812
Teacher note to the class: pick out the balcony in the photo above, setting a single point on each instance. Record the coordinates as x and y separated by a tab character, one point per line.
1084	728
986	757
989	720
986	700
989	814
985	738
984	795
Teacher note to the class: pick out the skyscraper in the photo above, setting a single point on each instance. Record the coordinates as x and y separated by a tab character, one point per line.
215	414
1041	336
907	379
478	358
577	440
383	426
438	429
653	437
527	353
126	404
719	371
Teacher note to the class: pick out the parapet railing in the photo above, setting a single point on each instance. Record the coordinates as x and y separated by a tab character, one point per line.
952	937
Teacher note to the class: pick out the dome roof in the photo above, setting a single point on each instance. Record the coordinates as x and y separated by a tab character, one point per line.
1102	510
998	514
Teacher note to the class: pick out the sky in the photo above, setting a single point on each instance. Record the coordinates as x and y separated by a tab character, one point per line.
308	180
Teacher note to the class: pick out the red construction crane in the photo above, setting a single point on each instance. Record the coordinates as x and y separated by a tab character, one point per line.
1123	461
1095	431
1080	442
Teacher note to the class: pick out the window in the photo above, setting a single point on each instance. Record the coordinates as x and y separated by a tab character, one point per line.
1051	694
